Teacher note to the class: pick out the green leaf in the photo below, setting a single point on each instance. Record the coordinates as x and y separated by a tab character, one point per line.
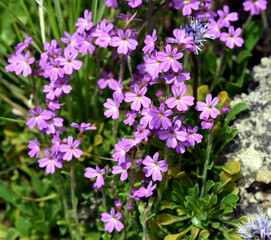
215	225
38	186
213	200
209	185
217	187
231	198
253	34
196	222
227	210
243	55
206	198
209	63
227	134
240	107
23	226
167	219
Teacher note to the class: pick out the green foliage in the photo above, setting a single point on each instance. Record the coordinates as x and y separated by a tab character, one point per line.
201	215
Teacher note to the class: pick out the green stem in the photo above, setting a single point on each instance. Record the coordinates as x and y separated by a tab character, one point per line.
65	204
247	22
35	92
218	70
115	130
122	67
104	199
74	207
196	82
206	164
145	237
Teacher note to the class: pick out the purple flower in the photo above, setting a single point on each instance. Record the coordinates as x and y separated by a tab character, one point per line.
61	86
134	3
187	6
122	168
207	123
113	109
71	41
225	109
169	59
177	77
173	135
199	31
53	70
154	168
193	136
128	17
257	227
152	65
131	116
69	61
20	64
160	117
52	123
103	34
205	12
107	79
214	29
70	149
141	133
51	161
121	148
138	98
123	41
21	46
39	117
226	16
208	108
118	203
231	38
181	38
84	24
144	121
118	95
83	126
35	148
150	42
129	207
50	91
112	221
145	192
111	3
254	6
53	104
56	141
84	44
98	173
179	99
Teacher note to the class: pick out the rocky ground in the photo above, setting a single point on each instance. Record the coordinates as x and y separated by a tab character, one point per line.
252	146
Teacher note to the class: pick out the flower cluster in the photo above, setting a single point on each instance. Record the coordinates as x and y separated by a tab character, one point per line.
202	10
257	227
163	117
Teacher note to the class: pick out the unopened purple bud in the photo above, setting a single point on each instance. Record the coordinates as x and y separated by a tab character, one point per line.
118	203
129	206
159	94
139	162
225	109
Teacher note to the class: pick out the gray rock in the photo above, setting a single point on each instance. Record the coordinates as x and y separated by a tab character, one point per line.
252	146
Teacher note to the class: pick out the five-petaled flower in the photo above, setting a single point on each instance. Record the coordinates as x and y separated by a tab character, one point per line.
70	149
112	221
